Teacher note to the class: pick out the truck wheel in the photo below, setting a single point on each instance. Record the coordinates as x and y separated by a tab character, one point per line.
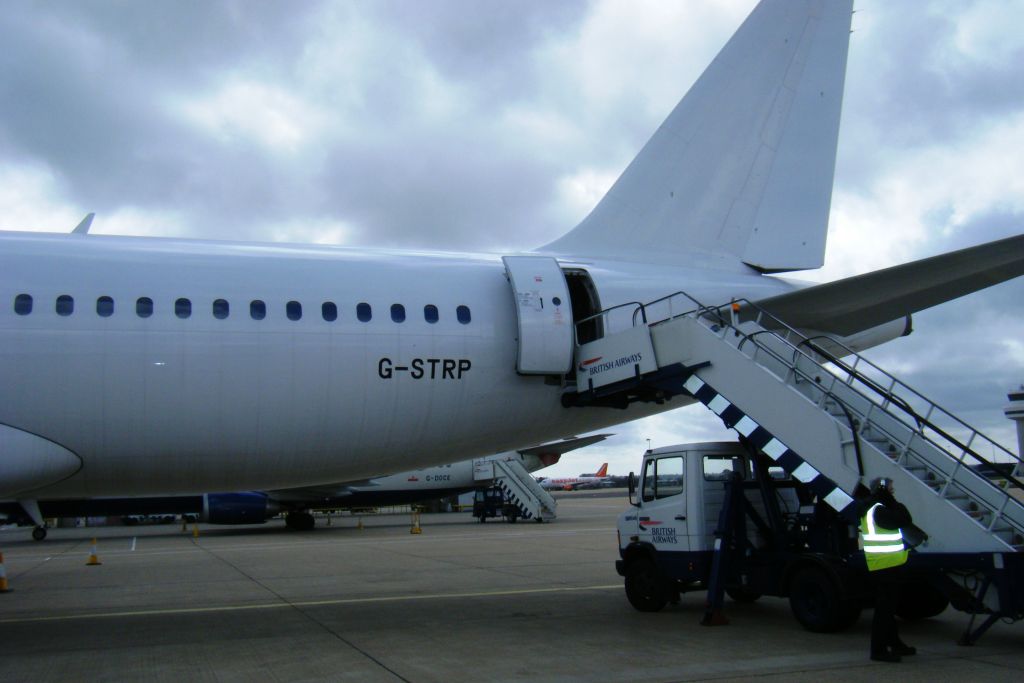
742	593
645	587
920	600
818	604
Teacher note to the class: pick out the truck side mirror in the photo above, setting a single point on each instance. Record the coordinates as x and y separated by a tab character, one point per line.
632	490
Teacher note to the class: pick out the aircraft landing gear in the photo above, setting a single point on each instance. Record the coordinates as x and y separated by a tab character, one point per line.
39	533
299	521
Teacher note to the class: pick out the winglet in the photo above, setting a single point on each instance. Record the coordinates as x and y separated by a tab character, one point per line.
83	227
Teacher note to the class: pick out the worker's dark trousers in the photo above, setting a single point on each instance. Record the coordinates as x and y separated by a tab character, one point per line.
884	632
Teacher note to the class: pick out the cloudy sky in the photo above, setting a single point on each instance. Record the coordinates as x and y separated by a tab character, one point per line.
495	126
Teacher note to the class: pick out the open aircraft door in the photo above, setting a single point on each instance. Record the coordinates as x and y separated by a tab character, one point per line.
543	313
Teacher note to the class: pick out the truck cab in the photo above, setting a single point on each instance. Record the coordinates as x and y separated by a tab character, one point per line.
695	500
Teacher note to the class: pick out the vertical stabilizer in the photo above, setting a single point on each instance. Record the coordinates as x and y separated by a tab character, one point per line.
743	166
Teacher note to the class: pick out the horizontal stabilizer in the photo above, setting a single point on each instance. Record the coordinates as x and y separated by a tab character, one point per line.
858	303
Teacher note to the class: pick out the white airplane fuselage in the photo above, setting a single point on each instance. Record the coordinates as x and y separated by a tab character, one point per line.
168	404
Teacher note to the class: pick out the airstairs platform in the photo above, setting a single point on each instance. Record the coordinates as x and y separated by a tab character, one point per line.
521	489
831	418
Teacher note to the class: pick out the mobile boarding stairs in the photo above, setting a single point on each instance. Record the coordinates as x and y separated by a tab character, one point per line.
830	418
519	486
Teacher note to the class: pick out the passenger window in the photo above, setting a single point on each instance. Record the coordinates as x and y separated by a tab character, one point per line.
462	313
257	310
329	311
398	313
663	478
430	313
183	308
65	305
364	312
104	307
294	310
143	307
220	309
23	304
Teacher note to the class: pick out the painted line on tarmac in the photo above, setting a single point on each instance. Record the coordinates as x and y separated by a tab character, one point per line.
220	544
308	603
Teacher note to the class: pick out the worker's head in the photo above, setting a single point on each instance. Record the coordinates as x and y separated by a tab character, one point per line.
881	484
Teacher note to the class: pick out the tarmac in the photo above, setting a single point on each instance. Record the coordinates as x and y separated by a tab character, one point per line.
366	600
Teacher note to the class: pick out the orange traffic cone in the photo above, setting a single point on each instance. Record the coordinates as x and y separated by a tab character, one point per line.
93	559
4	588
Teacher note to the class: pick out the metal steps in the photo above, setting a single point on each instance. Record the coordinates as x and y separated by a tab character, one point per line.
832	416
524	491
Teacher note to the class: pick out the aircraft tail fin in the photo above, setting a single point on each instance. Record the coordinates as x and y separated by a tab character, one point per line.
743	166
603	472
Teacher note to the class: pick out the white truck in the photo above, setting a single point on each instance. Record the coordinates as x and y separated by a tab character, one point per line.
725	518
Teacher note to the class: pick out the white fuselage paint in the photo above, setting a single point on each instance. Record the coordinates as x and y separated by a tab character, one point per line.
167	405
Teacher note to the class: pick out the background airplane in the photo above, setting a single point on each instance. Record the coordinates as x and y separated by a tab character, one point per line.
584	481
255	507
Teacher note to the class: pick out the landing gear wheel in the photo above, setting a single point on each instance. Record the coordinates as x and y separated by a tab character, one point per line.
39	533
300	521
818	604
646	589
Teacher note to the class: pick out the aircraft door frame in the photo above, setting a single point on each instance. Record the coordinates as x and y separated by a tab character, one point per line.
543	315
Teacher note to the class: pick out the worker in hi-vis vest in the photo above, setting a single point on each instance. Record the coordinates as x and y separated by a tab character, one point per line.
885	552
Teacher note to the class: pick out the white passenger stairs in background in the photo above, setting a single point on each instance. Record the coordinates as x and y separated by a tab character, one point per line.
825	414
523	490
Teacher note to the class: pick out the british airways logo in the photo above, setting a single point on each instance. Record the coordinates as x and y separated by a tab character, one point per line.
595	366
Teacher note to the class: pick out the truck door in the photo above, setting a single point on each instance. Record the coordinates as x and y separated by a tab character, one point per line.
543	314
662	514
708	495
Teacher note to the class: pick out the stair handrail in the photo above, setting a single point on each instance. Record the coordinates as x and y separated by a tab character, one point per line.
734	309
887	394
602	314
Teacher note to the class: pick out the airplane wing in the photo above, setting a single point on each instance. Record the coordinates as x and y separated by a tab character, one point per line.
858	303
564	446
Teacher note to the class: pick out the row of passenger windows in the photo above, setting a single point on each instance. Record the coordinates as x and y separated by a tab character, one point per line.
144	308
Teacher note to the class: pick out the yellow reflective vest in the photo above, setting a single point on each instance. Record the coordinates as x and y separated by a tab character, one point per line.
883	548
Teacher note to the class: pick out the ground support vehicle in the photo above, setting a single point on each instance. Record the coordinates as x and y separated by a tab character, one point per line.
724	518
494	502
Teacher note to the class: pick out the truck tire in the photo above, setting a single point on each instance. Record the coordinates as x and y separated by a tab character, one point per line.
818	604
645	587
920	600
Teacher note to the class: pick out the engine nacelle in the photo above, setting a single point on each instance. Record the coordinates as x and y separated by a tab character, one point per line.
249	507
